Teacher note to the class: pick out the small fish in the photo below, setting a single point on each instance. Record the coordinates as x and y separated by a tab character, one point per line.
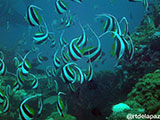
2	97
53	42
62	41
41	58
90	72
81	75
94	53
82	40
32	15
20	78
74	51
68	74
56	86
6	105
110	25
126	29
16	62
41	37
34	83
64	55
56	60
131	48
25	111
61	6
60	104
3	68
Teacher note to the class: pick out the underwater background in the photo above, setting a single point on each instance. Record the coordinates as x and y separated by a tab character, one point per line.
79	59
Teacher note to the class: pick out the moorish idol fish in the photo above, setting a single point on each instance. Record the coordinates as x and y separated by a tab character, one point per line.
34	83
56	60
93	53
126	28
20	78
81	75
62	41
68	74
82	40
41	37
32	15
26	112
60	104
2	97
3	68
90	72
74	51
51	38
61	6
111	24
6	104
131	48
56	86
25	66
64	55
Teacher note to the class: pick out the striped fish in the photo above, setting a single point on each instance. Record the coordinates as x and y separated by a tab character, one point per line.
25	66
74	51
131	48
62	41
2	97
126	29
68	74
60	105
120	45
34	83
81	75
20	78
94	53
111	24
82	40
6	104
90	72
64	55
53	42
16	86
32	15
61	6
25	111
56	60
3	68
41	37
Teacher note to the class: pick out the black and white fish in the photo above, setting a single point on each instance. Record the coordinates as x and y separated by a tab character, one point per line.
93	53
41	37
74	51
3	68
32	15
82	40
56	60
60	104
61	6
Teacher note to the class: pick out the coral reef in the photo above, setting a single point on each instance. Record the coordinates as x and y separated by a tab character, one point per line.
144	97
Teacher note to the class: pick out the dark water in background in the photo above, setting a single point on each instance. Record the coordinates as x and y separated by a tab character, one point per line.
85	13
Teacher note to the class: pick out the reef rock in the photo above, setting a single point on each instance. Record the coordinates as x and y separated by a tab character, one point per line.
144	97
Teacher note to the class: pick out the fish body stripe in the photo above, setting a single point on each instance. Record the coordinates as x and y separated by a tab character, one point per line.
6	105
2	68
35	84
61	8
59	110
32	18
95	57
74	52
24	113
90	71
